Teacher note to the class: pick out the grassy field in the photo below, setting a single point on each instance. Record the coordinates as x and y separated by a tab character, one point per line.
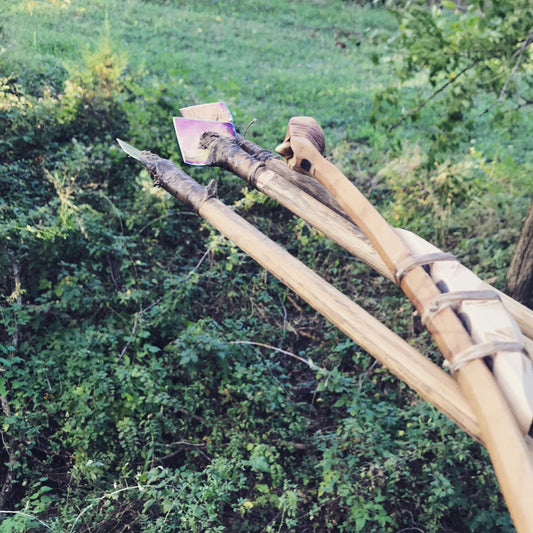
129	402
263	62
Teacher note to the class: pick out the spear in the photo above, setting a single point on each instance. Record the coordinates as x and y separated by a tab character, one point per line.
512	461
409	365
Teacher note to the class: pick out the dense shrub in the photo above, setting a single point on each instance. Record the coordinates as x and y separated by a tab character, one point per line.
152	377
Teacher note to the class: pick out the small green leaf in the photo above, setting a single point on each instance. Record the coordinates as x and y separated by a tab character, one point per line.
448	4
152	349
45	284
262	488
260	463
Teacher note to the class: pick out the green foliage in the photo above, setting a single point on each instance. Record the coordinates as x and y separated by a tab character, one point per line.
427	200
154	378
462	52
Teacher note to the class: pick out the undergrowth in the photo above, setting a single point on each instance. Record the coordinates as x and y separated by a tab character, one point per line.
154	378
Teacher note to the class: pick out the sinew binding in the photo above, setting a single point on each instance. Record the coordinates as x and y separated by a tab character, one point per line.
497	337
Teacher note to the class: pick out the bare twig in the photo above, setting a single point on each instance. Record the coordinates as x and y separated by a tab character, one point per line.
112	273
525	103
251	123
7	483
16	295
308	362
363	376
182	443
527	41
194	417
20	513
105	496
436	93
5	406
137	316
133	331
187	443
285	314
290	444
520	52
202	259
165	216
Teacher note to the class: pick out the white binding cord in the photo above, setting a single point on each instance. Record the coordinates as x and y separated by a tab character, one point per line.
412	261
454	300
490	325
506	357
479	351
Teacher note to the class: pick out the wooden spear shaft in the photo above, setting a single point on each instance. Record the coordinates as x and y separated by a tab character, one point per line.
510	456
312	202
428	380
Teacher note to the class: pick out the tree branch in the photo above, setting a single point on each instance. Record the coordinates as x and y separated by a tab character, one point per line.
308	362
436	93
525	43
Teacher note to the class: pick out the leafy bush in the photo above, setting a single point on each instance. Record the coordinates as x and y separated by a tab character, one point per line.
152	377
464	52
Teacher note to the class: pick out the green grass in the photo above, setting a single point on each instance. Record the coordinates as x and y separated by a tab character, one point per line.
268	63
133	403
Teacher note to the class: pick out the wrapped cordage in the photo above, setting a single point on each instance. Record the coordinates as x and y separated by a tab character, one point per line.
496	335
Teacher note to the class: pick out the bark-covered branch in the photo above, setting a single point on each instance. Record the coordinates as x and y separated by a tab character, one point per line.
520	273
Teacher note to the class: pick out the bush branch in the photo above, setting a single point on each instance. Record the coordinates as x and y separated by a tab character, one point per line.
308	362
521	51
436	93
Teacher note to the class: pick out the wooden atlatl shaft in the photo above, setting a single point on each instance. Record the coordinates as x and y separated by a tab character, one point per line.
506	445
423	376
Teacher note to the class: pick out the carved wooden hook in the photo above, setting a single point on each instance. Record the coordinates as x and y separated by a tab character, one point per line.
305	132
